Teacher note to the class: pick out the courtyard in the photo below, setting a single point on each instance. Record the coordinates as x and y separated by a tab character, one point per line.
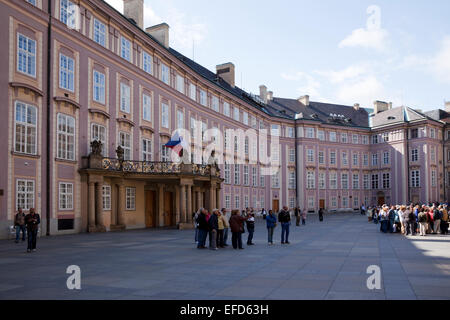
326	260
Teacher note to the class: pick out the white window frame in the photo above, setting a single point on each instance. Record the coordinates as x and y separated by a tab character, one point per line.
27	190
28	125
65	196
125	143
146	107
99	32
26	56
125	48
67	153
67	13
165	74
99	86
147	150
99	133
125	98
165	115
130	198
147	62
66	73
106	197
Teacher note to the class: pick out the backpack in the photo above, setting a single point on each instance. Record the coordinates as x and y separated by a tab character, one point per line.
422	217
436	215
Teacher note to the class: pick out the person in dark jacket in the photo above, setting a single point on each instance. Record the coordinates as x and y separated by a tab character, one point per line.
19	224
297	214
250	229
391	216
284	218
271	222
32	221
213	229
237	228
203	229
321	214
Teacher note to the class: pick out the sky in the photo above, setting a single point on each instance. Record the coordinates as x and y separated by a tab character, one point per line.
343	52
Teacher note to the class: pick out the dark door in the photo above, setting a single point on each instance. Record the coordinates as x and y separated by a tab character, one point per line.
276	206
168	209
150	209
321	204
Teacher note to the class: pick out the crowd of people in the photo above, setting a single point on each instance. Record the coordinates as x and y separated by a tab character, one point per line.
410	220
218	224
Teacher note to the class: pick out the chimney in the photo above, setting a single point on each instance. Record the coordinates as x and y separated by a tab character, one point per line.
356	106
226	72
160	32
270	95
447	106
134	9
304	100
380	106
263	93
390	105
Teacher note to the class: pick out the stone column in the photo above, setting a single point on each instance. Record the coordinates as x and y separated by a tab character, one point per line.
121	206
218	202
199	200
189	204
114	209
212	194
99	207
92	207
177	204
161	205
183	204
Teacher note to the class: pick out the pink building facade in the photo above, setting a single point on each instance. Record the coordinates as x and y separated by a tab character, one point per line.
79	71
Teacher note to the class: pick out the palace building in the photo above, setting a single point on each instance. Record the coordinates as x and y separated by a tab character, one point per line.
81	79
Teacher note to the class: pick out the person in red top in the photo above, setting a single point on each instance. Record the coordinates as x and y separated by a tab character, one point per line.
430	220
237	228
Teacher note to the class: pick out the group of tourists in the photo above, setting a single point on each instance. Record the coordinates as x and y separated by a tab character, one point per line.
218	224
412	219
28	225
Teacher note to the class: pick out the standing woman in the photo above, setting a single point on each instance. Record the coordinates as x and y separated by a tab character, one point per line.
237	228
250	229
271	222
220	232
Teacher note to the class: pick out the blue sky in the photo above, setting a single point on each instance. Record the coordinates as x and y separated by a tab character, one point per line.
348	51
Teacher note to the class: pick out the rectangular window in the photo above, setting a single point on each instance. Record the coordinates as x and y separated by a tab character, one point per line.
130	199
433	178
227	173
164	153
310	155
254	177
333	202
344	180
26	55
355	139
414	133
344	158
245	118
276	180
333	158
246	176
290	132
433	154
415	155
226	109
203	98
33	2
180	119
386	181
375	159
344	202
355	181
24	194
125	98
193	92
66	73
375	139
321	157
344	138
99	87
385	136
386	157
164	115
375	181
415	178
366	181
66	137
311	202
433	133
333	180
215	104
246	202
310	133
146	107
333	136
106	196
275	130
291	155
365	159
65	196
310	180
147	154
98	133
227	201
68	13
237	174
180	84
125	143
365	139
165	77
99	32
321	135
292	184
262	179
355	159
147	62
236	114
125	48
25	128
237	202
322	183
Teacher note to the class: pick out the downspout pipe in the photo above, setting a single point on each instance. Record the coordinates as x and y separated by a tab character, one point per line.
48	140
297	191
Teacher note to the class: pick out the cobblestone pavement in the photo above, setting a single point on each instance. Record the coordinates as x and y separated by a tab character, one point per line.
326	260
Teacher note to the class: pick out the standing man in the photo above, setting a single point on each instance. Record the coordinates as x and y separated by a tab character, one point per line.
250	229
214	229
271	222
19	224
363	209
32	221
321	214
297	216
203	229
226	226
285	219
237	228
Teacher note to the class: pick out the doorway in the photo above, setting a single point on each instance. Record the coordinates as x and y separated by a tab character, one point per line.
150	209
168	209
275	205
322	204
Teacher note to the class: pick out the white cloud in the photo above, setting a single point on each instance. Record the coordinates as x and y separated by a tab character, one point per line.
308	85
364	91
371	37
441	62
348	73
183	31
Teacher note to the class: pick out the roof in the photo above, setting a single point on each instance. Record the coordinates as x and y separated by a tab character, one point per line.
401	115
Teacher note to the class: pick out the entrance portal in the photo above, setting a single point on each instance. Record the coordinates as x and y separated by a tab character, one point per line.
168	209
150	209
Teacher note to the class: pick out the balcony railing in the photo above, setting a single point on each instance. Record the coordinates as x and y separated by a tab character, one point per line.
150	167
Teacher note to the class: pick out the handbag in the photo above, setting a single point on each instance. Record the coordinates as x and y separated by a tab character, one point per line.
242	229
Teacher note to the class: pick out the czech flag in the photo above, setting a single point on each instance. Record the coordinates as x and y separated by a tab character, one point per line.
177	144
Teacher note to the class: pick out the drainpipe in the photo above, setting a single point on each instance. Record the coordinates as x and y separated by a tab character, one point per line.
407	166
49	49
296	167
443	166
